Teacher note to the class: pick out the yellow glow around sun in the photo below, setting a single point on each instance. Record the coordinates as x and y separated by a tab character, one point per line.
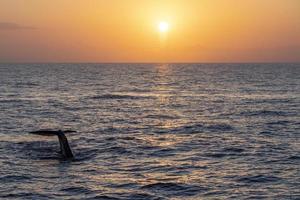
163	27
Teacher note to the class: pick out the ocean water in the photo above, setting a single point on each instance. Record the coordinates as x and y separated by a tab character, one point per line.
151	131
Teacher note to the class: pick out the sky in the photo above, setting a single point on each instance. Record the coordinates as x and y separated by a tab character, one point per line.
127	31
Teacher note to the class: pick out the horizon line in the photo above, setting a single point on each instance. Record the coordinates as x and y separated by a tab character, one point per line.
226	62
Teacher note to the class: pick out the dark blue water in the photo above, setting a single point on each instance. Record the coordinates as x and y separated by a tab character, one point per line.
151	131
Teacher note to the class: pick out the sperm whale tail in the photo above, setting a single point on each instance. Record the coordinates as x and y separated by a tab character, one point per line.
63	141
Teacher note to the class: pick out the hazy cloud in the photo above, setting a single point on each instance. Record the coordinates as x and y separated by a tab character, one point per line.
14	26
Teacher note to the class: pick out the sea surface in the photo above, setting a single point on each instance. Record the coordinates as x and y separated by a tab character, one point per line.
151	131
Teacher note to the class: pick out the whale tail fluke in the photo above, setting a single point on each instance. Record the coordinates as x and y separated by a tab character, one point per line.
63	141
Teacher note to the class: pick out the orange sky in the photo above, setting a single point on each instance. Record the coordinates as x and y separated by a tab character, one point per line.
126	31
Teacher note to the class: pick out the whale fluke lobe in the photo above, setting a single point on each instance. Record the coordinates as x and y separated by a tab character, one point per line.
69	131
63	141
50	132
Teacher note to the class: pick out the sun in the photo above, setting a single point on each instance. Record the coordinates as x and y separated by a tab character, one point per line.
163	26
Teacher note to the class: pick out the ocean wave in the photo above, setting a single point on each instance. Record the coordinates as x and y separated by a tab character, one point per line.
197	128
186	129
77	190
267	101
163	153
120	97
170	188
263	113
142	196
233	149
103	197
24	84
220	127
161	116
124	185
216	155
24	195
85	154
226	152
258	179
283	122
14	178
118	150
294	157
14	101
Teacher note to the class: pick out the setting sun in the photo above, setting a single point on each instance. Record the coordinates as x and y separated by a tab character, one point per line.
163	27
